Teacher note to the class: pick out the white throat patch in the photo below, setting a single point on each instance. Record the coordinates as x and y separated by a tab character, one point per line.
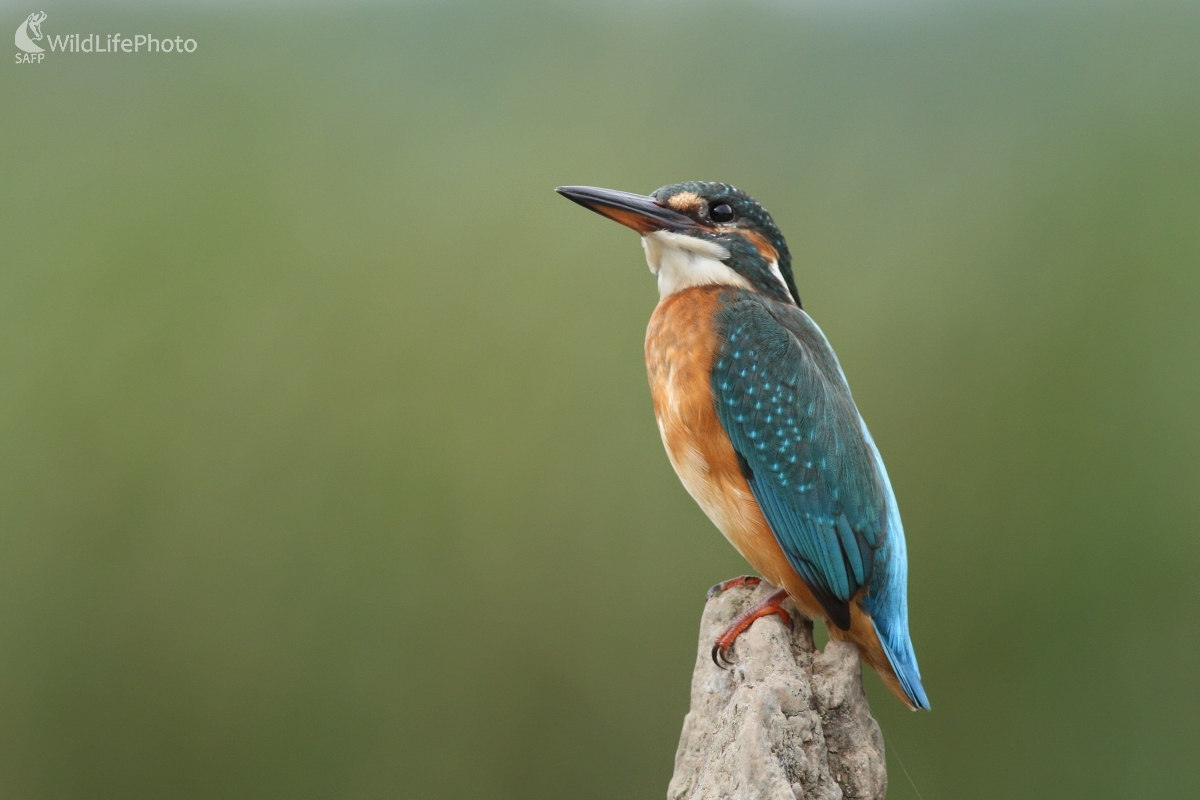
682	261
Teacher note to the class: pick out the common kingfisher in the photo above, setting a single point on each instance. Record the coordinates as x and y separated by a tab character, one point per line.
759	423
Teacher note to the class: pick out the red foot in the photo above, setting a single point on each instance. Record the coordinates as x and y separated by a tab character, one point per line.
732	583
771	604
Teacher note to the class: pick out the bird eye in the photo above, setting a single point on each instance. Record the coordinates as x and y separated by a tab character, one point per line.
721	213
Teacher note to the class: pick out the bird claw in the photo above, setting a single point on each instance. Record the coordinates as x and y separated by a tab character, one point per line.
732	583
720	658
771	604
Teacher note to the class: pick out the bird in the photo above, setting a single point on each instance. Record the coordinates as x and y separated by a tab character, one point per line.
759	423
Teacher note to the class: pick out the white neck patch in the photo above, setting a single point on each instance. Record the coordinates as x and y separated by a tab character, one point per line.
682	261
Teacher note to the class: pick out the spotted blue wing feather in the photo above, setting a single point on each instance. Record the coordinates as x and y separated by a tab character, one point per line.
784	402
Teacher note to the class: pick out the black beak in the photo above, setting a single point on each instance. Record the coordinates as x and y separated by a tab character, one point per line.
636	211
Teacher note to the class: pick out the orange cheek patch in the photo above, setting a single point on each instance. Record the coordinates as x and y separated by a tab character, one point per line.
764	247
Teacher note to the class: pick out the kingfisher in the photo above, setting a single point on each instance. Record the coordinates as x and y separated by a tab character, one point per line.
759	423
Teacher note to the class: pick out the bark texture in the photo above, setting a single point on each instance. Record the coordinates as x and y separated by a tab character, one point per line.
787	722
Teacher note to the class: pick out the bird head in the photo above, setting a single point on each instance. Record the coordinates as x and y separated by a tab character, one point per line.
700	233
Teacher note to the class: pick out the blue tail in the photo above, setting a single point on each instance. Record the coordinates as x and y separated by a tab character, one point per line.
887	603
887	600
899	651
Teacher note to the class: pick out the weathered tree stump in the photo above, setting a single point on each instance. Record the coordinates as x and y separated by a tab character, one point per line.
787	722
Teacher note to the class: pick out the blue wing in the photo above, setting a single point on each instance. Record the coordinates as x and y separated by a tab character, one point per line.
784	402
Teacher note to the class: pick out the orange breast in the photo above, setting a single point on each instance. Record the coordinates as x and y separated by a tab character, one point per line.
680	346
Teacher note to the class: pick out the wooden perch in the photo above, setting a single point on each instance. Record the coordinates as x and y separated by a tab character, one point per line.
787	722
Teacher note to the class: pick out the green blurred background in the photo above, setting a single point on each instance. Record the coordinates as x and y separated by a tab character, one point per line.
329	463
